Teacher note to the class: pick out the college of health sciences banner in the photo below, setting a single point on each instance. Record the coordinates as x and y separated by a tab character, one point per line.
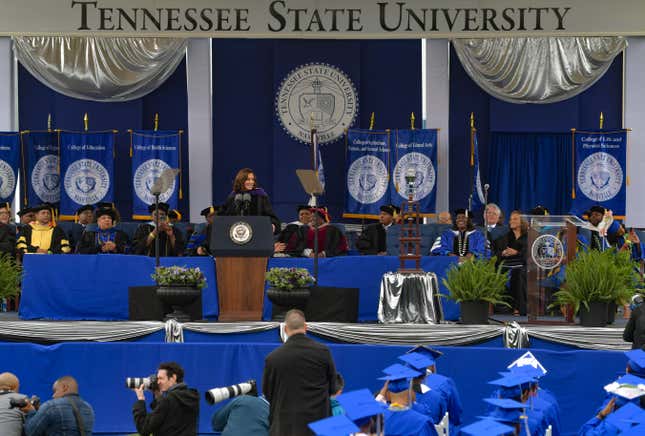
368	172
415	150
41	152
9	164
600	165
87	167
152	153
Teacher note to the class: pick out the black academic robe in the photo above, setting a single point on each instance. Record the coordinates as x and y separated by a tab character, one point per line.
260	206
167	250
373	239
294	235
8	239
91	242
298	380
59	243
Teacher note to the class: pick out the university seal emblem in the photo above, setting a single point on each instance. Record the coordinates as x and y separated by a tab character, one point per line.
547	252
367	179
600	177
316	95
86	181
424	171
45	179
7	180
145	176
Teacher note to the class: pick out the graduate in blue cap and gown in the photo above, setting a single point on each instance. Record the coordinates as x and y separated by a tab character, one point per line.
487	427
364	411
339	425
463	240
428	401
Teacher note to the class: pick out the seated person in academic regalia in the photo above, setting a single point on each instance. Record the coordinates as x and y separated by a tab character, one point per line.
610	233
373	239
440	383
428	401
171	240
7	231
398	394
105	239
174	216
43	235
26	216
199	242
331	241
462	240
295	229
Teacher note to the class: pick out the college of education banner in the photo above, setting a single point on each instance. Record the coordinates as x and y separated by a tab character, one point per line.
40	162
9	164
600	170
152	153
87	169
368	172
415	150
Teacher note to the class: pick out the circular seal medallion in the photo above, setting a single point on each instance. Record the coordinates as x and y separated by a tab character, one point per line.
86	181
316	95
45	179
424	171
600	176
145	176
7	180
547	252
240	233
367	179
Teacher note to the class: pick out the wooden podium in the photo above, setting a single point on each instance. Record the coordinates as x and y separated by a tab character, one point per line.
241	247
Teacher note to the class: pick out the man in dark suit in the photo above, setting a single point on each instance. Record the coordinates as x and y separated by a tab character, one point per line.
373	239
298	380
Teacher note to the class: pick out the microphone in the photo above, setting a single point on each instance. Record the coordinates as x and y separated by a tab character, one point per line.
246	198
486	186
238	198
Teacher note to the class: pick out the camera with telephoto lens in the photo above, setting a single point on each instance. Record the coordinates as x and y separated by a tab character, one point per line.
220	394
149	383
22	402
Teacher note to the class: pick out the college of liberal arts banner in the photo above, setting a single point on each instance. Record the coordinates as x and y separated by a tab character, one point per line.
87	169
600	170
40	151
9	164
152	153
415	151
368	172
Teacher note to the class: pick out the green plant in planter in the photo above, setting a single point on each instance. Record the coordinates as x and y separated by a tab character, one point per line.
10	276
477	280
287	279
179	276
598	276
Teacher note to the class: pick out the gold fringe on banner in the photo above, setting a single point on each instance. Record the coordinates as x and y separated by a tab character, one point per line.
372	121
130	131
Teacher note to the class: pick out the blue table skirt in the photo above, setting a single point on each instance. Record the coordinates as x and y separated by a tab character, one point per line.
95	287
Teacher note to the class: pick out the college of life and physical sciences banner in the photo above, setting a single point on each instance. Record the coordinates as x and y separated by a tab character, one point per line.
600	170
415	152
152	153
40	153
9	164
87	169
368	172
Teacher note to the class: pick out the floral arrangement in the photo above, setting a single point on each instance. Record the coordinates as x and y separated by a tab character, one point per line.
289	278
179	276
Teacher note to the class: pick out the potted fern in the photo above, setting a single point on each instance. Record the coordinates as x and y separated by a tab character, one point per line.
475	284
10	276
593	280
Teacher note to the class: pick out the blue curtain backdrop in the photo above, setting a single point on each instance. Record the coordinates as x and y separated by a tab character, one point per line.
493	115
170	100
246	132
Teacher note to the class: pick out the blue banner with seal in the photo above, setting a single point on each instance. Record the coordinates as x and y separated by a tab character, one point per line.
368	172
153	152
87	169
600	175
415	153
40	153
9	164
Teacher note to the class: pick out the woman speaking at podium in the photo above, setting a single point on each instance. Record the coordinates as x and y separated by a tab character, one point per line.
248	199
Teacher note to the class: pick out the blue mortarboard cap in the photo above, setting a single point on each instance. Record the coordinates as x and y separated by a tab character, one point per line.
360	404
430	352
399	377
513	379
487	427
639	430
636	361
338	425
506	410
505	403
626	416
528	370
417	361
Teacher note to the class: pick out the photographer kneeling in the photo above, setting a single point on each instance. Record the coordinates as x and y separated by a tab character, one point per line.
11	418
175	408
65	414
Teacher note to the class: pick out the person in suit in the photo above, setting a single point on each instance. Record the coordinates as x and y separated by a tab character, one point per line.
635	329
510	248
373	239
298	380
106	239
43	235
171	240
494	223
247	198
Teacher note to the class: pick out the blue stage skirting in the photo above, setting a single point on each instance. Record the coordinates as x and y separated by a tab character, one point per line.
576	377
95	287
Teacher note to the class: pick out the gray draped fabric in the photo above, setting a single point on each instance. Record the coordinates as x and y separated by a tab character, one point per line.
537	69
100	68
409	298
